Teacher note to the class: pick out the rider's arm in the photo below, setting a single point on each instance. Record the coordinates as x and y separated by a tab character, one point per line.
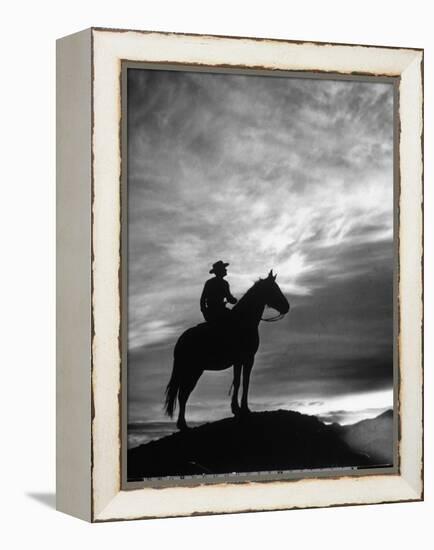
231	299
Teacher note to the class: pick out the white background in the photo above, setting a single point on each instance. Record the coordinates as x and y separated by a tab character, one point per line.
27	218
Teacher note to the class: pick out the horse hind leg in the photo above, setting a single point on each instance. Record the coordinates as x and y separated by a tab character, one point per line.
183	395
185	390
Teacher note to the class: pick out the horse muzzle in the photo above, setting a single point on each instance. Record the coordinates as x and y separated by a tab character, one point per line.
284	309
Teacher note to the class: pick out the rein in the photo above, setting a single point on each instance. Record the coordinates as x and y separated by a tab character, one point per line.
273	319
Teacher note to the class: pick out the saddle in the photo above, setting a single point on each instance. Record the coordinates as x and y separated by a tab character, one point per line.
219	332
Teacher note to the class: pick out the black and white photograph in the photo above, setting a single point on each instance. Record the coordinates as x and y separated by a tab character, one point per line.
217	262
260	266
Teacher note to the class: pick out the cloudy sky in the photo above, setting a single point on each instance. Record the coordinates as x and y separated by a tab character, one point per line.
284	173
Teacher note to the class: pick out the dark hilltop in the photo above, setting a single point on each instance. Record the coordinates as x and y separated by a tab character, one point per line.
263	441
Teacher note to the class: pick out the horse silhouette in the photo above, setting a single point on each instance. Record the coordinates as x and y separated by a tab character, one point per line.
210	347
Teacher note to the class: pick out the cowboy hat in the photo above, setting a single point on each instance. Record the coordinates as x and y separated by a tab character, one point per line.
218	266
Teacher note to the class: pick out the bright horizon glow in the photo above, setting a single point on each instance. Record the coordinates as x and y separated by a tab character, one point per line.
356	407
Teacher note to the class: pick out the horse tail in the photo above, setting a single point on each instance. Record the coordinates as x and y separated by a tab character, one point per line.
172	389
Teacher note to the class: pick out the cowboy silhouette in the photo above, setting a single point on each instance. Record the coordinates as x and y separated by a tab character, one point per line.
216	294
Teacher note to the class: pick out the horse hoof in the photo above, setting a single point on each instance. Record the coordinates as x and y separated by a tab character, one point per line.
182	427
236	411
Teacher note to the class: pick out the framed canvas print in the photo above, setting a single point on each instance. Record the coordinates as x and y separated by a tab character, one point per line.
239	274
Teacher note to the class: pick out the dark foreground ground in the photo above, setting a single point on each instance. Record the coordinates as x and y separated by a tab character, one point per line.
264	441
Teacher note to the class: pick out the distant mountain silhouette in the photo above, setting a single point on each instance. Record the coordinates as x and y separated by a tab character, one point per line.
262	441
373	437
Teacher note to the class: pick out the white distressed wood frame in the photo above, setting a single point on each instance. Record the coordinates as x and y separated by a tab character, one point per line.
88	267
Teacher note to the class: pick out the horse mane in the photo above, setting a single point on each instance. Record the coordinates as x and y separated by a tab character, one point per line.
248	294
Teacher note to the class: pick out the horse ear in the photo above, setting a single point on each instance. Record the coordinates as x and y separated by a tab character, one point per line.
271	275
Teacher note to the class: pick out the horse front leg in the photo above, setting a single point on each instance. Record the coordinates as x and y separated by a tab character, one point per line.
235	408
247	369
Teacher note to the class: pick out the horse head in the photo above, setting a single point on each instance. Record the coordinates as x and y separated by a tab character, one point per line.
273	296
